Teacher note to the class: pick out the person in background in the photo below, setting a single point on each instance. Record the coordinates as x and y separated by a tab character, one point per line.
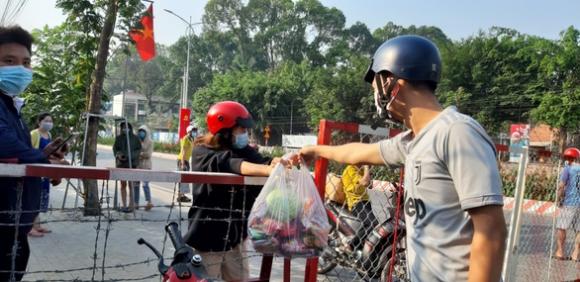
144	163
40	138
355	180
569	195
185	149
224	149
15	146
127	149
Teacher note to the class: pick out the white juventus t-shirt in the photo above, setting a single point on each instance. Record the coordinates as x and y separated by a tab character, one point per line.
450	167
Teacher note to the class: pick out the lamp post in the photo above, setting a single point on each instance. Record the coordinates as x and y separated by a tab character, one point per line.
184	112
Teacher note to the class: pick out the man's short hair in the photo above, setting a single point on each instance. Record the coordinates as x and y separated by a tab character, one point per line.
16	34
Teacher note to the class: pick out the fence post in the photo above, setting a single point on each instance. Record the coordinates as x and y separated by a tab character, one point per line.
512	244
553	229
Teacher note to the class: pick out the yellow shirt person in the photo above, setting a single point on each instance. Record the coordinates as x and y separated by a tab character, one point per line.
355	180
186	147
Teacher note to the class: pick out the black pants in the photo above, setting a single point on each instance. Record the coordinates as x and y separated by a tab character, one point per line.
364	212
22	253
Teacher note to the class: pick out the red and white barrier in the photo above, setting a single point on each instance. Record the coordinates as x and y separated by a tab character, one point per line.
532	206
84	172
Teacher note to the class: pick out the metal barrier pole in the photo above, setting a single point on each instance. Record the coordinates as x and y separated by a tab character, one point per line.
557	200
509	263
68	183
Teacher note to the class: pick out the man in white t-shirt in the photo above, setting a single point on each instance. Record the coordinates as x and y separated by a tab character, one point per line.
453	198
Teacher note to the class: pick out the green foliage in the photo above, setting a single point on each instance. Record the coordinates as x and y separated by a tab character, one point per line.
540	181
66	60
275	152
287	58
109	141
58	86
166	148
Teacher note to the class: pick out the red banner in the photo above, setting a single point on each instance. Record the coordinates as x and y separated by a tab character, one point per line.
184	121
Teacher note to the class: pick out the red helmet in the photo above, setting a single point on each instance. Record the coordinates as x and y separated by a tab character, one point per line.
227	114
572	153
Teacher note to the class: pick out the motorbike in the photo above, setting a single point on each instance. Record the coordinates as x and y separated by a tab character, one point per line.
380	256
187	263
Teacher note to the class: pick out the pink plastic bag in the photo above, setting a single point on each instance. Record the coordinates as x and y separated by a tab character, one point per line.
288	217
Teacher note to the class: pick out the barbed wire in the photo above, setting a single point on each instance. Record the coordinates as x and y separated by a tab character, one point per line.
241	211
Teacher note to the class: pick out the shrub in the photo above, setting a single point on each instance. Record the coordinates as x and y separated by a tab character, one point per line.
540	181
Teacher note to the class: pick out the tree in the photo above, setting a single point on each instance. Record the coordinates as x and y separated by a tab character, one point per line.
559	107
341	94
96	21
271	97
57	87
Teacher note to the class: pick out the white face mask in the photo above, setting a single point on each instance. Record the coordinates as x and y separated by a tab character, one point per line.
46	125
381	109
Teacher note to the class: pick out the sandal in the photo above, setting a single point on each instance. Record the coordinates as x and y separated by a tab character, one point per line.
561	258
43	230
35	233
149	206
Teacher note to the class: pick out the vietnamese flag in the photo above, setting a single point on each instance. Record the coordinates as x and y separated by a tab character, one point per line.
143	37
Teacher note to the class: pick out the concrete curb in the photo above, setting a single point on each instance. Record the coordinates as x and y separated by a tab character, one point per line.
532	206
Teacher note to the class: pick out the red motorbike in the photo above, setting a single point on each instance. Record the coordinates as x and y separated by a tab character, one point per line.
187	263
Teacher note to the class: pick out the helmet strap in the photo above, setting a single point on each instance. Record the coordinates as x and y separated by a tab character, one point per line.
382	101
393	90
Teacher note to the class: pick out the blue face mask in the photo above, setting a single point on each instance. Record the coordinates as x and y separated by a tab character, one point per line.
241	140
142	134
14	79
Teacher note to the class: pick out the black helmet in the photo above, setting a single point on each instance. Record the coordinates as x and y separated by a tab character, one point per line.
409	57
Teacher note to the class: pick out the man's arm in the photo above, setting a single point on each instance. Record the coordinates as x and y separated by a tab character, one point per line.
352	153
488	245
13	147
561	194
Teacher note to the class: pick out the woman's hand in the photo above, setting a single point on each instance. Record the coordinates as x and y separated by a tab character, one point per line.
284	162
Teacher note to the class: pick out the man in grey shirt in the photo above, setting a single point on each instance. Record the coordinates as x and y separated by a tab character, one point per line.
453	198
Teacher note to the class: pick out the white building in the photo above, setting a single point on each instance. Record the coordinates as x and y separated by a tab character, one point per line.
162	118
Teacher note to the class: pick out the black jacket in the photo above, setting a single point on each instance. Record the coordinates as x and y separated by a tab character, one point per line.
15	143
213	205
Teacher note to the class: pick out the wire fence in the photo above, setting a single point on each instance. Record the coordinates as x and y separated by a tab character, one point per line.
366	242
367	239
536	224
103	247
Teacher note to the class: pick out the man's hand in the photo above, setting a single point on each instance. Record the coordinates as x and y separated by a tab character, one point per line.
57	161
308	153
52	146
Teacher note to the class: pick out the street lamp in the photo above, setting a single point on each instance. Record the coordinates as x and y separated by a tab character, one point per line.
184	112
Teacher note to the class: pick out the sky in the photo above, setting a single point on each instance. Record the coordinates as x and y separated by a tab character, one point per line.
457	18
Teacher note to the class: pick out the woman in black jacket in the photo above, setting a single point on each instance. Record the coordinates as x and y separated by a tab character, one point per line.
218	217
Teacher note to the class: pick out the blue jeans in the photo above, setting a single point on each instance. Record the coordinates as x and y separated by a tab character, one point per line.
146	190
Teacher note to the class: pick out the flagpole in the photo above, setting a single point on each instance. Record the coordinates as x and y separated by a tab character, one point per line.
189	32
184	107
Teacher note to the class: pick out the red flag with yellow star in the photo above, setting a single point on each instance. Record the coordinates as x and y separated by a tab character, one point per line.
143	37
